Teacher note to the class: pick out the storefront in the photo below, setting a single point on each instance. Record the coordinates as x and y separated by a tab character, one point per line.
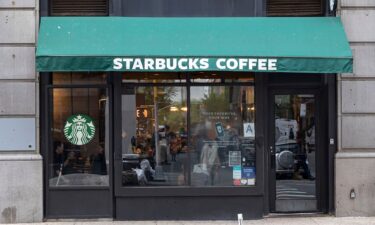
189	118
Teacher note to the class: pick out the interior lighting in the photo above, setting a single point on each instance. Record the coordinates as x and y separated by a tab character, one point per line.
173	109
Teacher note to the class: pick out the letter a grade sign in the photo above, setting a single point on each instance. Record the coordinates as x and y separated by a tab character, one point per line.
248	130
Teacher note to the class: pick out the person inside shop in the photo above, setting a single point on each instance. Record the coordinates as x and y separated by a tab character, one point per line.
173	145
58	157
164	141
209	156
98	162
70	163
199	143
301	157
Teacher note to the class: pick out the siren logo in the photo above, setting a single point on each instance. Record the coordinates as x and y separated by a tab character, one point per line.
79	129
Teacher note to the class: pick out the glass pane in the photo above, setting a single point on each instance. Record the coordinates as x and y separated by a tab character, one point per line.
79	78
222	136
151	77
239	77
80	151
205	77
295	152
154	141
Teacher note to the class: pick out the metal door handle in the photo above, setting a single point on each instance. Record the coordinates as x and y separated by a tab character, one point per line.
272	151
272	158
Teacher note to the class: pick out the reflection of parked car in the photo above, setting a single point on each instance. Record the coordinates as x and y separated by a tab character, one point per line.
285	157
286	146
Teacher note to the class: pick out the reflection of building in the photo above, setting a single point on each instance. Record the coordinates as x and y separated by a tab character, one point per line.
36	106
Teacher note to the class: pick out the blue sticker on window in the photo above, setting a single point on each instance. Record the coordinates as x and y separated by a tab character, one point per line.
248	172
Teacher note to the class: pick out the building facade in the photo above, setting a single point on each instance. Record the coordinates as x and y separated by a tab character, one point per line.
355	114
303	124
20	160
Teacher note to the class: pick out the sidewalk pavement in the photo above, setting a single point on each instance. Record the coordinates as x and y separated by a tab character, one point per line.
282	220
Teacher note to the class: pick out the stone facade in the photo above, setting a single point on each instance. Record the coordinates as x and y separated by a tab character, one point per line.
21	174
356	114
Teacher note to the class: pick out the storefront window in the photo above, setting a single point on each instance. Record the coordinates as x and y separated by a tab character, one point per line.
79	132
222	135
216	148
154	139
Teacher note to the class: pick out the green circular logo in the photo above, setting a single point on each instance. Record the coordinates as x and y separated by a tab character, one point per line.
79	129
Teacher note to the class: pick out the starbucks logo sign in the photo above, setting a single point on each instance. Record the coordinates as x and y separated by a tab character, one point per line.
79	129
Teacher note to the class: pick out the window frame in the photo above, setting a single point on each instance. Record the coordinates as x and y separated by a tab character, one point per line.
48	109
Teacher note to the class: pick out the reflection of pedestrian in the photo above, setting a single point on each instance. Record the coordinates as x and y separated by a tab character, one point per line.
200	142
58	157
163	151
98	164
301	157
209	156
173	146
302	162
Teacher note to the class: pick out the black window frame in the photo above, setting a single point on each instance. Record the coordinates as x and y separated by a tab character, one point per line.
48	143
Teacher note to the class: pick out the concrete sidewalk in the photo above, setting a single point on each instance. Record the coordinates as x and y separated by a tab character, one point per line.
323	220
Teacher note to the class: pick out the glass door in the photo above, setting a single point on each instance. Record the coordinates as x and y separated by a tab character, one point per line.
293	153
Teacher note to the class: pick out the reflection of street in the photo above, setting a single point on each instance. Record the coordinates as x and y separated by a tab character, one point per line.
295	189
173	172
311	162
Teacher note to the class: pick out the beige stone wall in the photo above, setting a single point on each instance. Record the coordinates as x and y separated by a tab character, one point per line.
356	113
21	186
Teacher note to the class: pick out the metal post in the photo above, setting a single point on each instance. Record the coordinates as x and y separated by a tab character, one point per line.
157	153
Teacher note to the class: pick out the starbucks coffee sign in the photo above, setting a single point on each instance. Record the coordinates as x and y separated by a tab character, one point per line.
195	64
79	129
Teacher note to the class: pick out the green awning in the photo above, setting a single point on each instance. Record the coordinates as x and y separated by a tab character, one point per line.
295	44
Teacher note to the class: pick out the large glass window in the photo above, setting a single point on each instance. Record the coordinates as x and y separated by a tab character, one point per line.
79	149
184	130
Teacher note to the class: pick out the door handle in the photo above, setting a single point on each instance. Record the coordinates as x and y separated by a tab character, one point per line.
272	158
272	151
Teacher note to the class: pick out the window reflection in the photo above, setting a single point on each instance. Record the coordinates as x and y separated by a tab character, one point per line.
154	136
295	151
155	148
222	135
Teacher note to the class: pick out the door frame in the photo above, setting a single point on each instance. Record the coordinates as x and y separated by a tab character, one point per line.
320	135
